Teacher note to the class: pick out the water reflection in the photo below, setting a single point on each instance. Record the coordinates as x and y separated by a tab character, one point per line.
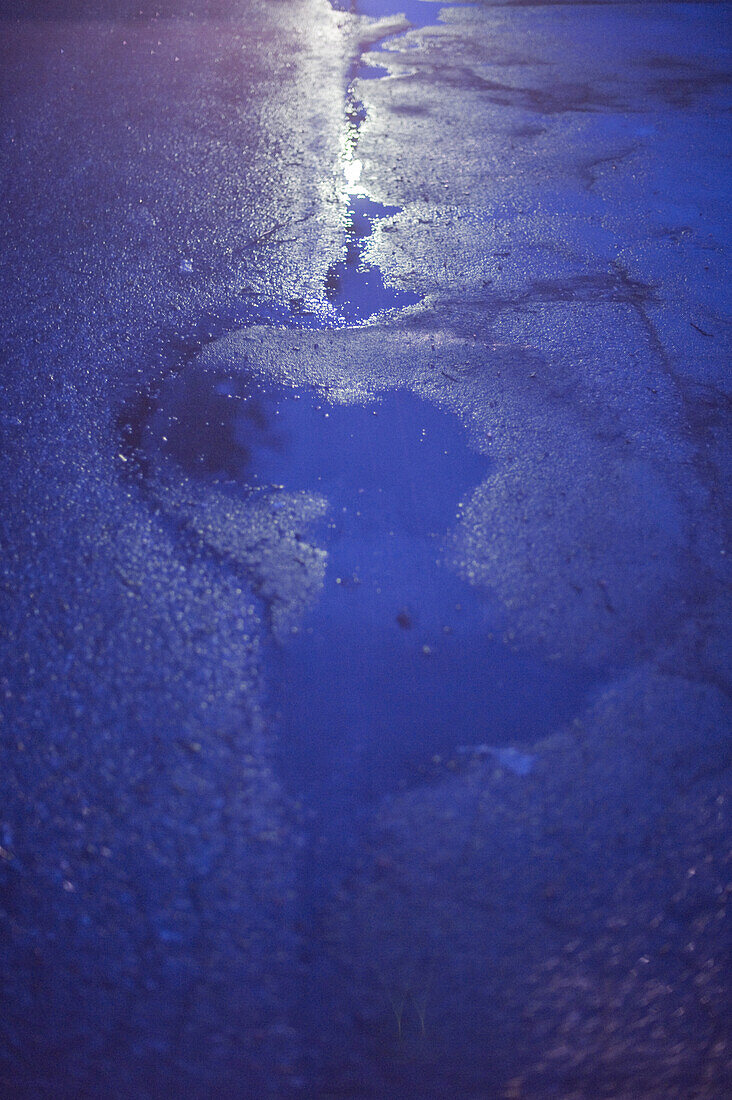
399	660
354	287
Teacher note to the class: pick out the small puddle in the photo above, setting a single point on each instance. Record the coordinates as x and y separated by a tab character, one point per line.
420	13
371	72
354	287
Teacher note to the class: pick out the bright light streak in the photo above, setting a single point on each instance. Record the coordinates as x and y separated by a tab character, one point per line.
352	170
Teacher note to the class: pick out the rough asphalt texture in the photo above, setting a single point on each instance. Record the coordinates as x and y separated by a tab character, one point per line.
559	934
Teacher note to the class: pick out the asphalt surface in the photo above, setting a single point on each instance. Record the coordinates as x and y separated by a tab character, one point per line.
227	192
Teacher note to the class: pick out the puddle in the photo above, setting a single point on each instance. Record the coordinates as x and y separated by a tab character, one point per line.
355	288
420	13
398	660
371	72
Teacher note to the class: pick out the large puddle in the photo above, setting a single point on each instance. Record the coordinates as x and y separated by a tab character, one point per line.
398	661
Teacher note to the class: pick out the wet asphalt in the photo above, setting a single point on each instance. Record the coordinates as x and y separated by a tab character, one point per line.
365	609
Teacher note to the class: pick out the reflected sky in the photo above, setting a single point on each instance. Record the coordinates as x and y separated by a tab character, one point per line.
354	287
398	659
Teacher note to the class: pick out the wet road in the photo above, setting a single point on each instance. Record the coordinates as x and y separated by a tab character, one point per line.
365	623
